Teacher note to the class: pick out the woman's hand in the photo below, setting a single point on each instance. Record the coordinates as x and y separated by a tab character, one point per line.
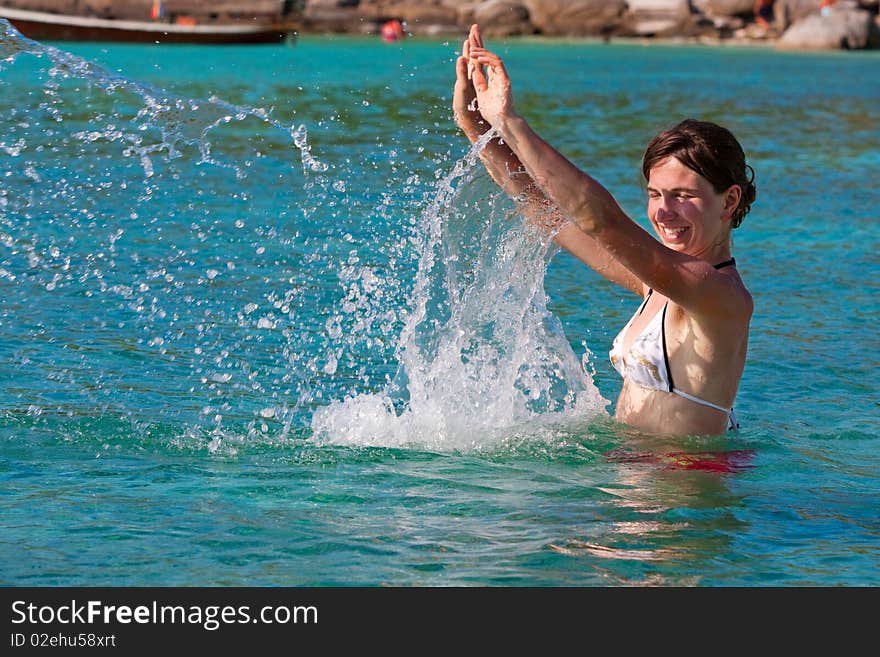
501	163
492	85
464	103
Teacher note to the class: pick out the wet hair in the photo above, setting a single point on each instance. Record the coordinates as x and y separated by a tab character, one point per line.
711	151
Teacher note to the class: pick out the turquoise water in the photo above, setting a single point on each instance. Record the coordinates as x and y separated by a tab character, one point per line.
265	322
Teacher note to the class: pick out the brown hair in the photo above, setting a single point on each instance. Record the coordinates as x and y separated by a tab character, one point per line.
711	151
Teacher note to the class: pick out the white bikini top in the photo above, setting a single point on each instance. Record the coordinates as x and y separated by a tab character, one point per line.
647	362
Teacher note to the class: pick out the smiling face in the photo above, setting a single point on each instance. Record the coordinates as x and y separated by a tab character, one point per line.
687	214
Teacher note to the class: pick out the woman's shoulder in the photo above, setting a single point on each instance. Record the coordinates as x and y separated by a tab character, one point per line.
740	298
727	309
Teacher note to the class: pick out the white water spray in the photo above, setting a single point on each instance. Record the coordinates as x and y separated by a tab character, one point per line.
481	358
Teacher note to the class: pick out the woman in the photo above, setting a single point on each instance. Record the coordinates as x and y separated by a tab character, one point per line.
682	354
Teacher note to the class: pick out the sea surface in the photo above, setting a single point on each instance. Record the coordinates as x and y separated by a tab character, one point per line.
265	321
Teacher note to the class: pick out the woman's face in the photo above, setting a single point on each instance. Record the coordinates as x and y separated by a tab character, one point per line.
687	214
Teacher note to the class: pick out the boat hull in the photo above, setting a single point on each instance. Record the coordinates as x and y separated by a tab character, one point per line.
51	27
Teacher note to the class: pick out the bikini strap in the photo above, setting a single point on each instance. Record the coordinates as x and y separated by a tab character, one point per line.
732	423
645	302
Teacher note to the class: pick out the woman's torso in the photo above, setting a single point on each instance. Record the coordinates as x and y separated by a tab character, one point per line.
703	358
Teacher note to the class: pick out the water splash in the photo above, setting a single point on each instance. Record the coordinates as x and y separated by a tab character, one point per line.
170	115
136	257
481	358
148	275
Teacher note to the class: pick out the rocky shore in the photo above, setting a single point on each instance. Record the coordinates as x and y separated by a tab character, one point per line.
795	24
785	24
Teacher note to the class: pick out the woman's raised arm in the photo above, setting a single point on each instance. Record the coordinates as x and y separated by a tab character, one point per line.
631	251
509	173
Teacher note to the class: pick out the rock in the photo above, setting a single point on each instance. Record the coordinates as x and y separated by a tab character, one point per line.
789	12
466	10
844	26
575	17
500	18
424	17
330	15
657	17
727	8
